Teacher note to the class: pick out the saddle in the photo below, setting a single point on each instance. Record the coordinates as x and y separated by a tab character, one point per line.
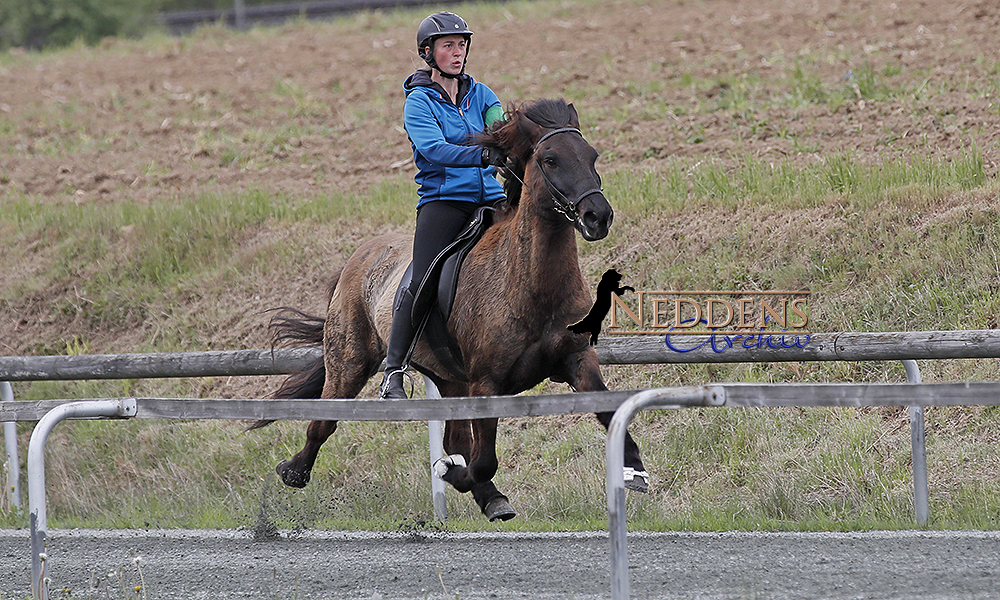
435	295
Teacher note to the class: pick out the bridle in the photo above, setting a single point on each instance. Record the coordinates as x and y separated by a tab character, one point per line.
563	205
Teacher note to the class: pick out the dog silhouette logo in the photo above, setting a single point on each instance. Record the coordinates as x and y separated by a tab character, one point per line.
602	305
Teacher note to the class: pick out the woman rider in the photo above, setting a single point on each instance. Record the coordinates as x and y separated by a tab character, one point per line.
444	109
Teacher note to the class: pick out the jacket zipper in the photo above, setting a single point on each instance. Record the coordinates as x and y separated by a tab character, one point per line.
468	131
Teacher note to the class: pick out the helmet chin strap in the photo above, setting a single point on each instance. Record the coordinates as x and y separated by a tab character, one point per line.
449	75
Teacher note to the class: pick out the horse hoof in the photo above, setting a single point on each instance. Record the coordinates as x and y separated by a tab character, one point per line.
295	479
499	509
443	465
637	481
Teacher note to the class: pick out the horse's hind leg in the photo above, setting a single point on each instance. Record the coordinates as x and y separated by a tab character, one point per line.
349	364
348	383
352	349
296	471
459	441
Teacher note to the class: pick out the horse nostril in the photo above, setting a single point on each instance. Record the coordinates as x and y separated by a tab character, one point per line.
590	220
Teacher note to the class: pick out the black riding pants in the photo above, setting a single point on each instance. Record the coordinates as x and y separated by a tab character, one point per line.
438	224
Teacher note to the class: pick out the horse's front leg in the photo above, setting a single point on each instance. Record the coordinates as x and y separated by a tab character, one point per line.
471	463
295	471
462	451
584	375
636	477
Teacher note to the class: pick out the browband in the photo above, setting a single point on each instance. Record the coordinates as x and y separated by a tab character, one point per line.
552	133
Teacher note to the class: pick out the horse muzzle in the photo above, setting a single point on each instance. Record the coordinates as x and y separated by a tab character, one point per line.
595	218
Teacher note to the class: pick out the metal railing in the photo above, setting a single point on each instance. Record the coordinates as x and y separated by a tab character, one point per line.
624	404
910	395
241	16
903	346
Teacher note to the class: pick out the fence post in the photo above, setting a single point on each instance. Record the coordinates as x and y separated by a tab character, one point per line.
122	407
10	442
240	9
435	431
918	451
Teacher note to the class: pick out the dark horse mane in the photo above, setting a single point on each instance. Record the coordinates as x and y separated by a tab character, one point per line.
509	136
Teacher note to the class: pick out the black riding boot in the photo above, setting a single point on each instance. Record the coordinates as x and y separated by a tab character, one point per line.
400	339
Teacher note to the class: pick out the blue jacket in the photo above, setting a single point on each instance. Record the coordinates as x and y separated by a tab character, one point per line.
440	133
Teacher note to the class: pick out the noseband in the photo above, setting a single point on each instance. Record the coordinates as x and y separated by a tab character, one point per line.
563	205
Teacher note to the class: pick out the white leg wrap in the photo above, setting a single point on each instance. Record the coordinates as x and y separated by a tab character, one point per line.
631	474
442	465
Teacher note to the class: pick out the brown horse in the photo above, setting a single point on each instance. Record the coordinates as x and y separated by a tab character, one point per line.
519	288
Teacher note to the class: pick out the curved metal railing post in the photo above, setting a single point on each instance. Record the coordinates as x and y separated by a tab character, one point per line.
121	407
614	457
435	433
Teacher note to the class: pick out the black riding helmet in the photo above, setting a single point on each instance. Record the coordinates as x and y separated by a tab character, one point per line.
438	25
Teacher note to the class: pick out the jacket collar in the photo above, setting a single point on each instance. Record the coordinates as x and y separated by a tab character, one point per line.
422	78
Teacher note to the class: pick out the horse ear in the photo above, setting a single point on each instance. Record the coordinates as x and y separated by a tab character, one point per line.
574	117
530	130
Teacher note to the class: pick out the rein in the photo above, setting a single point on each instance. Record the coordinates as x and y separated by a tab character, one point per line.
563	205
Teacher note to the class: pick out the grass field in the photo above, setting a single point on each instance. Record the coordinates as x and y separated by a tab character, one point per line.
161	194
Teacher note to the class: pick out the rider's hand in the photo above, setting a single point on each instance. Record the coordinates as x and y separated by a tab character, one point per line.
493	157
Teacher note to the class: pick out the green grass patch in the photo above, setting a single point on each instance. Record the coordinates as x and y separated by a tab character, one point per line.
907	238
749	180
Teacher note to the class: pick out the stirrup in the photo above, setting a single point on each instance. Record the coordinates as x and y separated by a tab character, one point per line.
385	383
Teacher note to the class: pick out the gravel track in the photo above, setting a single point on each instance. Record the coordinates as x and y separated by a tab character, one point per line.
229	564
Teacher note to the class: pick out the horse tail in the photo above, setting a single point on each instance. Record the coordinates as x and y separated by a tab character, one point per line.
293	328
306	384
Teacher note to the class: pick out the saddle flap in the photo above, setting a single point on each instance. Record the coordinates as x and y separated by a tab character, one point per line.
436	293
441	280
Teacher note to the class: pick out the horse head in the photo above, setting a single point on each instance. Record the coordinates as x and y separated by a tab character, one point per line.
548	153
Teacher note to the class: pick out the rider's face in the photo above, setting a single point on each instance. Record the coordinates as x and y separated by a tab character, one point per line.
449	53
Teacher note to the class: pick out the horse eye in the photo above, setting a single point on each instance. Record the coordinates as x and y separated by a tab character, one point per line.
549	161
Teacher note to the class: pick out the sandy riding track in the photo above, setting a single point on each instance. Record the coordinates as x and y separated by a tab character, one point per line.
221	565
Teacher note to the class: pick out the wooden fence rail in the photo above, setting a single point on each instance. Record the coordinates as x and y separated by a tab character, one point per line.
157	365
626	350
901	345
481	407
415	409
